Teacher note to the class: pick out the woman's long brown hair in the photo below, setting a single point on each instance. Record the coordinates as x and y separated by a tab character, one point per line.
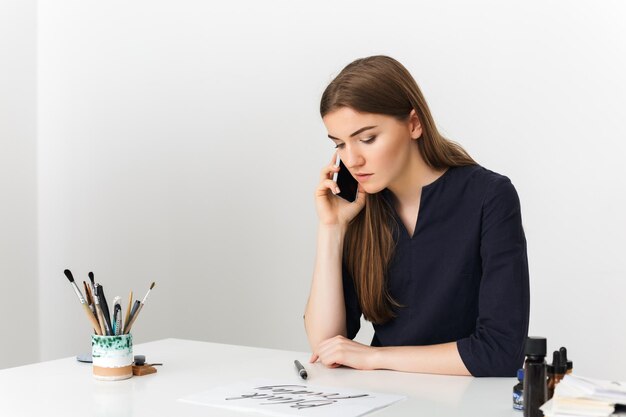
380	84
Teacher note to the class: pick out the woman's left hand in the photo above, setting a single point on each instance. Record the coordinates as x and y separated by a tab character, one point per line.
340	350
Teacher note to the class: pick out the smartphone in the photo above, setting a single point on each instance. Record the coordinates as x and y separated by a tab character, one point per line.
348	185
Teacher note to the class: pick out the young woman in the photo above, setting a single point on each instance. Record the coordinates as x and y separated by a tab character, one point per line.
432	252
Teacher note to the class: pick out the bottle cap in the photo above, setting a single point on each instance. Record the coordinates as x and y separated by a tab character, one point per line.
535	346
520	375
570	364
558	365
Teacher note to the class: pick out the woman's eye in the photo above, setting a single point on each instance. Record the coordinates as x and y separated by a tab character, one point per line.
339	146
369	140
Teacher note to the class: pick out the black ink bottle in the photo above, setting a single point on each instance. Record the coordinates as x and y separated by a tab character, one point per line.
535	387
518	391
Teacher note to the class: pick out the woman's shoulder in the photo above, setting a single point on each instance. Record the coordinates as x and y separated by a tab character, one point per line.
479	176
482	183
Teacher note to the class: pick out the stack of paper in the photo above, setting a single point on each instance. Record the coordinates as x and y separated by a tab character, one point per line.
579	396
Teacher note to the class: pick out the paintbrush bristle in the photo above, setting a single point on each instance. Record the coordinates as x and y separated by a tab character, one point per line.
69	275
152	286
91	278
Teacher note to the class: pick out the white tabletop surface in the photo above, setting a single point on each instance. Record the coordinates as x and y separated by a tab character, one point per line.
65	387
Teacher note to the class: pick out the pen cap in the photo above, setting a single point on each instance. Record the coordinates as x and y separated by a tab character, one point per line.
536	346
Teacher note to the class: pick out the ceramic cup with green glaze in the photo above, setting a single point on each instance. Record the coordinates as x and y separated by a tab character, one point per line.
112	357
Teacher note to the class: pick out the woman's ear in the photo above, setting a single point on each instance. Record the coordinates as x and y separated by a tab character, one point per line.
414	125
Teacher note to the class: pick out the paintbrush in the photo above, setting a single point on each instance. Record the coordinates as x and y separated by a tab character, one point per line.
87	296
130	304
105	309
90	301
83	302
97	307
134	309
93	283
134	316
103	323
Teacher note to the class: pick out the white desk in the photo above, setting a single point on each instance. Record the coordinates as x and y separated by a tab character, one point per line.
65	387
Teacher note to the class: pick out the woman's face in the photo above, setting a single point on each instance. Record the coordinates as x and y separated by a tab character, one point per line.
375	148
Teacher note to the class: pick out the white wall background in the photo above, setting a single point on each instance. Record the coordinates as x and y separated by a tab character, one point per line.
180	142
18	183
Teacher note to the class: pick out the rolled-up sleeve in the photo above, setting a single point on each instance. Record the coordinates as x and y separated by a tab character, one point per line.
496	348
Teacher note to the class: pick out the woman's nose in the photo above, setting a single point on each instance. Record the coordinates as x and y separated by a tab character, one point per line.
351	158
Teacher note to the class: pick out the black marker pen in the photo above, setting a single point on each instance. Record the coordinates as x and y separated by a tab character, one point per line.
301	370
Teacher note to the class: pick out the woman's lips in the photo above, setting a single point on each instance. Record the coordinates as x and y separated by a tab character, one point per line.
362	177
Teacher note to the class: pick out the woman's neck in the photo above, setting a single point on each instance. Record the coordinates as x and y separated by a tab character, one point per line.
407	189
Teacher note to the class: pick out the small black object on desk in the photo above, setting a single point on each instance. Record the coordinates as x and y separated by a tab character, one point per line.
301	370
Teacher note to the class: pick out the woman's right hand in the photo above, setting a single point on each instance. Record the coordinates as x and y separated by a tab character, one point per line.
333	210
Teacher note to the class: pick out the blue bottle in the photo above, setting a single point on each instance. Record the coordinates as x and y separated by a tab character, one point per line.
518	391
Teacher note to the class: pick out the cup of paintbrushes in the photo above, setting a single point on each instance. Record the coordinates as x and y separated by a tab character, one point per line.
112	357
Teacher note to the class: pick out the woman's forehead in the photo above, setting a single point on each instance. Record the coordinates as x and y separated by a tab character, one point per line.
344	121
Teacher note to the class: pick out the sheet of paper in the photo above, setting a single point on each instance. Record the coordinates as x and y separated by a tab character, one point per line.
277	398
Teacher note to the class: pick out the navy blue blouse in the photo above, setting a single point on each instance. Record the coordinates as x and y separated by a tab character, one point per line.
462	276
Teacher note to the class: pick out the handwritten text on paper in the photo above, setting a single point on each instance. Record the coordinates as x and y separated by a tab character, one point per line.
297	396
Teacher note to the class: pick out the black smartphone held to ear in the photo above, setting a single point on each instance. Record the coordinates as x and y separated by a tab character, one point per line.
347	184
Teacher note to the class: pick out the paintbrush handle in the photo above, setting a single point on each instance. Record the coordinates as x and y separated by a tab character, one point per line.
103	322
92	319
132	320
130	305
90	301
105	310
87	296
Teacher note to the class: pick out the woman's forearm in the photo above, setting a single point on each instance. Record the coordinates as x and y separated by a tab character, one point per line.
325	314
434	359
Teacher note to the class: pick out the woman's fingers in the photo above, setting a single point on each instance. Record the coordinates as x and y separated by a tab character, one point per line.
314	358
328	171
333	210
327	185
327	352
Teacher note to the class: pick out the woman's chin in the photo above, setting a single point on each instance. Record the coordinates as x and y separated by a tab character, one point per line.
372	188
